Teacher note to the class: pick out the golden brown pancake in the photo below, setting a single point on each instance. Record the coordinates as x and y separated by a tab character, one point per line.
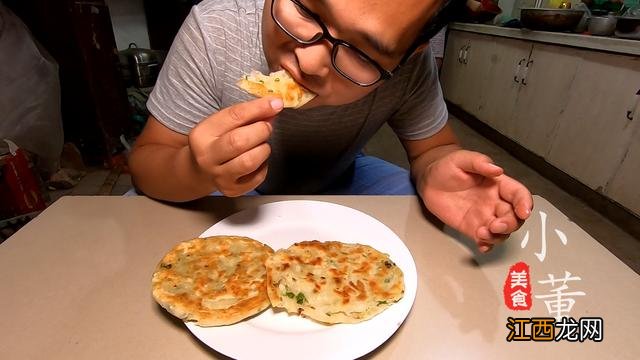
333	282
212	281
278	83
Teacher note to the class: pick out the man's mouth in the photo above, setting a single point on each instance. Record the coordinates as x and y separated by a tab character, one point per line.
298	78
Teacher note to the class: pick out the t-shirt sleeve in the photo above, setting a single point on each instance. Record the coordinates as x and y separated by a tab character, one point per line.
437	43
184	92
423	112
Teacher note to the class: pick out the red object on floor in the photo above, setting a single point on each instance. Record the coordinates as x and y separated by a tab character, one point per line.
118	162
19	188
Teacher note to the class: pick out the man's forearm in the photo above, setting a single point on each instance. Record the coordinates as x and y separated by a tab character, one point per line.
168	173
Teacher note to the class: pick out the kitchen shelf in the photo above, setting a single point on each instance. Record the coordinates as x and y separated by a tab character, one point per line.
610	44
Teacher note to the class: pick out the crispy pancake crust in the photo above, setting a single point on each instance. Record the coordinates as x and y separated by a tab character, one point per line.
277	83
333	282
213	281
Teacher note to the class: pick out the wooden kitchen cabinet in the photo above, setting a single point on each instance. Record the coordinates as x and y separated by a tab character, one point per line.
545	86
467	58
623	188
511	85
508	58
594	133
454	71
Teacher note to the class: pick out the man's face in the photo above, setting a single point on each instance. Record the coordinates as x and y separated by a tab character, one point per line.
382	29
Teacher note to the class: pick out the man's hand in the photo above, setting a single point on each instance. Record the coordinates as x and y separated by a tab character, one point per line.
467	191
230	147
226	152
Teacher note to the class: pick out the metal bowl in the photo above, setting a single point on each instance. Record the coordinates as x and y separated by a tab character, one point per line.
602	25
550	19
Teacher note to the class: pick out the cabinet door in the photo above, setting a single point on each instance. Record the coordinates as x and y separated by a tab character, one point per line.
545	84
593	132
500	90
453	69
623	188
477	59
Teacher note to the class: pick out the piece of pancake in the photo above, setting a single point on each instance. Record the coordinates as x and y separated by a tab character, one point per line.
333	282
213	281
278	83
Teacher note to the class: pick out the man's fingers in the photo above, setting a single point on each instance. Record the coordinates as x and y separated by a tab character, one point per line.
485	236
483	233
485	247
238	141
480	164
246	163
506	221
253	180
246	183
517	195
241	114
497	229
232	143
523	208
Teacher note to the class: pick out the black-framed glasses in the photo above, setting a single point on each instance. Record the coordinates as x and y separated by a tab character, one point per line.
306	27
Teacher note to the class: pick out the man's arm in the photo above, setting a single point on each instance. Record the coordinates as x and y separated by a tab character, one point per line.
422	153
162	165
226	152
466	190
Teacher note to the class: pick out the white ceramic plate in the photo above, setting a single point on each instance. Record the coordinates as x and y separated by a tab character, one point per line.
276	335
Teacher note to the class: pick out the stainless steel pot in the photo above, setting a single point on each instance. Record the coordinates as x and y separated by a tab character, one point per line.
140	67
602	25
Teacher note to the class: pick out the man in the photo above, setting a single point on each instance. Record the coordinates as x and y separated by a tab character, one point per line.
367	63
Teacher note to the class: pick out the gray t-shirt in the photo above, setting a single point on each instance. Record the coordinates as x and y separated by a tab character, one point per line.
220	41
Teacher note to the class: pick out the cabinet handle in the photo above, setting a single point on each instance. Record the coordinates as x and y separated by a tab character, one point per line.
460	54
466	52
629	115
526	73
515	77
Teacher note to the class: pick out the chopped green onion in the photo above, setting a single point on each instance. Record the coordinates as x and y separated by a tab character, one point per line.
290	295
300	298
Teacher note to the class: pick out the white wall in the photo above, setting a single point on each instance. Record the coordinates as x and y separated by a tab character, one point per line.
129	23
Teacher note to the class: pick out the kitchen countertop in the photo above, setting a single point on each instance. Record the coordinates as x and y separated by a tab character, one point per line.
610	44
76	282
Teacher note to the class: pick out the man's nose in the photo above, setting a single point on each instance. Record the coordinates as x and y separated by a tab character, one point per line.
314	59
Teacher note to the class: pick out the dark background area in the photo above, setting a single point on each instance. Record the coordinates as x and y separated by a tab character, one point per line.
79	36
